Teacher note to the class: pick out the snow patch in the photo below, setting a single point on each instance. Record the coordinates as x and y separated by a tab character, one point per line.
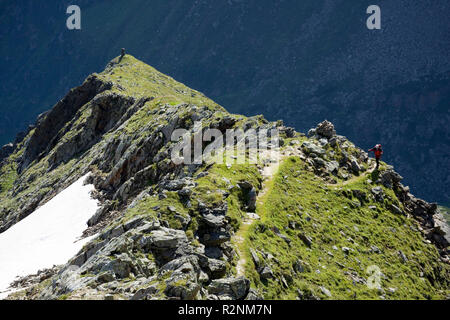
49	236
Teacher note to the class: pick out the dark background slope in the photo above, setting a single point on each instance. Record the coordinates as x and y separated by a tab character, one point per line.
300	61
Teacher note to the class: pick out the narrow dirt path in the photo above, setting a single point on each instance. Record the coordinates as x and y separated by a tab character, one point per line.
367	172
268	172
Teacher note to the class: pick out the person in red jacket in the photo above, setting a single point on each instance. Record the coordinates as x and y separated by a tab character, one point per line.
378	153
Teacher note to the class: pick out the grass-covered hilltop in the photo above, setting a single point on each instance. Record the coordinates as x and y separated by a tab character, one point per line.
320	223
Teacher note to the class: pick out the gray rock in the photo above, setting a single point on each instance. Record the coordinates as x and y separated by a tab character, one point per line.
164	238
306	239
389	177
266	273
121	266
355	165
311	133
253	295
234	288
311	148
144	293
326	129
216	237
402	256
325	291
217	268
346	250
215	221
332	167
106	276
375	249
378	194
300	266
396	209
255	258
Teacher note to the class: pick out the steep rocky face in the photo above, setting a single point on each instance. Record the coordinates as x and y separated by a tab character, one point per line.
284	230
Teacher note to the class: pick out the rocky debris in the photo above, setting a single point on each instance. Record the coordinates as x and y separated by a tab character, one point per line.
288	131
311	148
164	238
33	279
255	258
266	272
145	293
306	239
325	129
360	195
253	295
402	256
396	209
390	177
375	249
332	167
177	185
282	236
301	266
378	194
183	281
353	275
427	214
325	291
100	213
215	221
355	165
216	237
229	288
346	250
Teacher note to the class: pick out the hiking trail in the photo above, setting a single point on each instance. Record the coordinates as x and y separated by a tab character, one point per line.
268	172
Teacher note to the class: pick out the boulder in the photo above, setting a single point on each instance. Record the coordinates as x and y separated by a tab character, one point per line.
390	177
144	293
266	273
378	193
311	148
164	238
255	258
306	239
216	237
396	209
332	167
311	133
355	165
326	129
233	288
217	268
215	221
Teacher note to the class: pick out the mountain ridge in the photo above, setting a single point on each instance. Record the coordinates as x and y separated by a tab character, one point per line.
290	60
168	231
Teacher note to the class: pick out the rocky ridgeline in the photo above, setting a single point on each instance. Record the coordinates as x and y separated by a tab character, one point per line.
163	233
354	161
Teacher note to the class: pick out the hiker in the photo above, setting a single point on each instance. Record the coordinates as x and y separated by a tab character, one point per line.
378	152
122	54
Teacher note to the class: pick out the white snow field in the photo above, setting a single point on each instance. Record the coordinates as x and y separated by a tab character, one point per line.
48	236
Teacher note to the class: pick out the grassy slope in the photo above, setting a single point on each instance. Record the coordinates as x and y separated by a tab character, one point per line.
334	219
